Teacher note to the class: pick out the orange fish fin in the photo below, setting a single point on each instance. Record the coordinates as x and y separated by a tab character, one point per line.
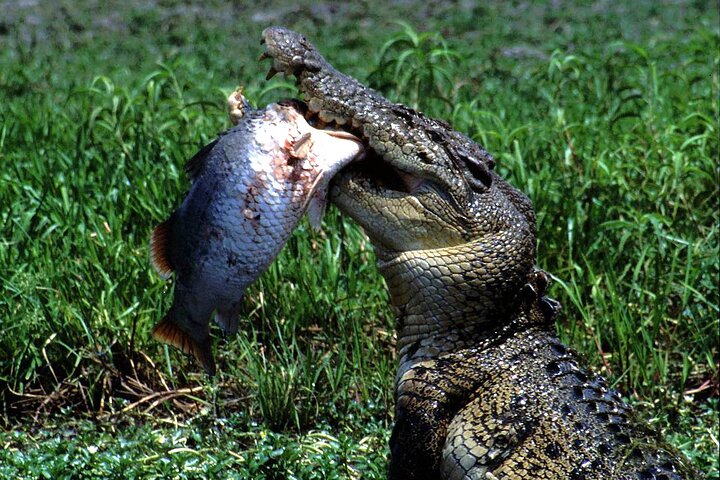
160	248
197	162
168	332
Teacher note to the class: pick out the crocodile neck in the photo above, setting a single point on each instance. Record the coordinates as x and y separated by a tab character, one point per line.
453	298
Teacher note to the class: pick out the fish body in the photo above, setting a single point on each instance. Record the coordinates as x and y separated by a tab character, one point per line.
250	187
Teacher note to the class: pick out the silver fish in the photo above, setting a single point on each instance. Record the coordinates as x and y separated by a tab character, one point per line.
250	187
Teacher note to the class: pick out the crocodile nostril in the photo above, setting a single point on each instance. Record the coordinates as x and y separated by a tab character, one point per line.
480	170
481	173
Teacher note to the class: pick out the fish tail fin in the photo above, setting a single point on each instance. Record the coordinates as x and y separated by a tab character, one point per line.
160	248
167	331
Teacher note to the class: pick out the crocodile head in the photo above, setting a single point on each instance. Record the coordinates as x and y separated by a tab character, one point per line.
455	241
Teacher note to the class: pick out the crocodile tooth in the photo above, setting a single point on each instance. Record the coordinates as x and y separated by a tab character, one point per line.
271	73
355	123
326	116
314	104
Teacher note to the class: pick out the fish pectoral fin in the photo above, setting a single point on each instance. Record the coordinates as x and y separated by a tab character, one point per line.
168	332
228	318
316	209
160	248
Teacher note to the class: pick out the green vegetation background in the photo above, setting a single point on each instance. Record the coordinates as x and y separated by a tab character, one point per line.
605	113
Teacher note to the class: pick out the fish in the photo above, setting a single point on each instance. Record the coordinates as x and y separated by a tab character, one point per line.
249	190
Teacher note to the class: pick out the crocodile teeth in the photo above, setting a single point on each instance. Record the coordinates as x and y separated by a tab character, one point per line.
314	104
271	73
331	117
326	116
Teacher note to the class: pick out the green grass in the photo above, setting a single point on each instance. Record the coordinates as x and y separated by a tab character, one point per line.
607	119
234	447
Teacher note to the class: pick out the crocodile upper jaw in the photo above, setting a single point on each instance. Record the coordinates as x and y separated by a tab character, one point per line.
414	189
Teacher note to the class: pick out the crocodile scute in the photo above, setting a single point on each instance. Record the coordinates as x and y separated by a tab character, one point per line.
484	388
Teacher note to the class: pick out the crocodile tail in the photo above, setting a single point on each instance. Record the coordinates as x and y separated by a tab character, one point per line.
160	248
168	331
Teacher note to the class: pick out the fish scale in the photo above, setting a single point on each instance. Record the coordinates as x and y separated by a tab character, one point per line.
250	188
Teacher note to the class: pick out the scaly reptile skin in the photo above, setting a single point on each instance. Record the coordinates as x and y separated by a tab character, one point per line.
484	389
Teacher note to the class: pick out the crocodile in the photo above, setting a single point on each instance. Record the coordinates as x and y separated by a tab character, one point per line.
484	388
